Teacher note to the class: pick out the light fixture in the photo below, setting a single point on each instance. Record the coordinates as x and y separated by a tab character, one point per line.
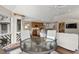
27	26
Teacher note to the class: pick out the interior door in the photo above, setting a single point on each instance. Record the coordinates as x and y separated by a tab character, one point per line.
62	27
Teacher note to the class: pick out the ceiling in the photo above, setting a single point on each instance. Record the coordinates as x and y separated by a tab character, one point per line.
46	12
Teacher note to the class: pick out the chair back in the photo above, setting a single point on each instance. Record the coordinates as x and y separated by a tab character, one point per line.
25	34
42	33
51	34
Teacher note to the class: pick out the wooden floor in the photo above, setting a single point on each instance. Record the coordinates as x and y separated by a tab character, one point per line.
64	51
59	50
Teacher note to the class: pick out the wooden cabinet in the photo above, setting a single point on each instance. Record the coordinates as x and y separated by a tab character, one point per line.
37	24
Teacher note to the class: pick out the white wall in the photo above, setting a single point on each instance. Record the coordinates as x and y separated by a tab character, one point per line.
6	13
72	30
67	21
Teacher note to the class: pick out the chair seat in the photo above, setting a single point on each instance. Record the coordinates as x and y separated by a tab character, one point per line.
49	39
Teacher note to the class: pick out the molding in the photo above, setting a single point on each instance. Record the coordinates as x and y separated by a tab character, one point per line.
17	14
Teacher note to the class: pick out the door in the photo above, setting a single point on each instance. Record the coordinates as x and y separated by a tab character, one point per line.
62	27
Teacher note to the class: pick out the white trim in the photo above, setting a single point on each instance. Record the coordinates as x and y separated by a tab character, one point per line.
13	29
0	28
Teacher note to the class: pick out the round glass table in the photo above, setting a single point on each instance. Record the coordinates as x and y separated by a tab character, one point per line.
38	45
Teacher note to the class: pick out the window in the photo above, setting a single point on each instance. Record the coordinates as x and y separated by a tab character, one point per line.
18	25
4	28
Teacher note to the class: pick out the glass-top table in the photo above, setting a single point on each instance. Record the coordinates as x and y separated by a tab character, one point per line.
38	45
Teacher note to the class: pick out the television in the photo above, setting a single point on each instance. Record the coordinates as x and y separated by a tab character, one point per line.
71	25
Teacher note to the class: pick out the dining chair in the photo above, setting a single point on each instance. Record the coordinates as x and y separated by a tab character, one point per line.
51	39
51	34
24	35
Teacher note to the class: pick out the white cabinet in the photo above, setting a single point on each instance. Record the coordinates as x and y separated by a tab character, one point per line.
68	41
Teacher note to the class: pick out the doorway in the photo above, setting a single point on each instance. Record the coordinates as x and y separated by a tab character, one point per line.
36	26
62	27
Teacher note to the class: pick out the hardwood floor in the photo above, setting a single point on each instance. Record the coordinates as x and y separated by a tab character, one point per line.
59	50
64	51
